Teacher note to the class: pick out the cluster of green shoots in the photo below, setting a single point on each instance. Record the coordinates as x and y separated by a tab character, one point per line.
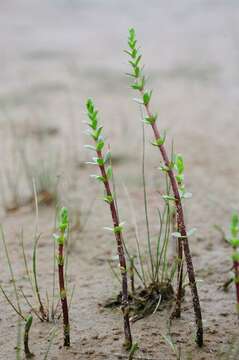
234	242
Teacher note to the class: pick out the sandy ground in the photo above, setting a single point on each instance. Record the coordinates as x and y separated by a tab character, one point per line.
54	55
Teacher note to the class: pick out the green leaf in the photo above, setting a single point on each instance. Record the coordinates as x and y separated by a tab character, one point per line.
139	85
108	228
90	147
146	97
100	144
95	134
235	256
63	219
139	101
107	156
109	172
100	161
98	177
168	197
150	119
108	199
234	225
118	229
91	162
234	242
90	105
191	232
179	162
160	141
164	168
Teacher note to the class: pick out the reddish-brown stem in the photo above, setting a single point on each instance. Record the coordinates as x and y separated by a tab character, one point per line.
236	272
122	261
183	241
66	325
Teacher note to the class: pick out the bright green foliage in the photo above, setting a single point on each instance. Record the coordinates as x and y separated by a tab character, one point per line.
137	71
63	226
95	132
234	226
234	230
160	141
102	159
179	168
234	238
64	219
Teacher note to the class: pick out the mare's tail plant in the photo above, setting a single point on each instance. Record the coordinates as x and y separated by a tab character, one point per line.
63	227
234	242
139	84
106	174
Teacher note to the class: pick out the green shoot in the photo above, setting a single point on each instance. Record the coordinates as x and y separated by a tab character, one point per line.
102	161
234	242
60	238
139	84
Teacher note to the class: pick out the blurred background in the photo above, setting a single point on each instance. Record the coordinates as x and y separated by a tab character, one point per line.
55	54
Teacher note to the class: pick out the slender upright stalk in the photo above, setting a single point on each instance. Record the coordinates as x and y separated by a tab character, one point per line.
234	241
63	227
131	270
139	84
28	325
106	175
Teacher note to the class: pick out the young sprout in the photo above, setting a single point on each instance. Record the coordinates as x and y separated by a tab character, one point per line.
61	237
139	84
28	325
101	160
234	242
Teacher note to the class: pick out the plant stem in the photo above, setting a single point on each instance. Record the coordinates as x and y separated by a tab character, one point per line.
236	272
183	241
66	326
37	291
122	261
28	325
131	269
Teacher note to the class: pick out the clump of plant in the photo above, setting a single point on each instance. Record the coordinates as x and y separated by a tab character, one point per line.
174	169
150	273
61	237
102	161
17	307
234	242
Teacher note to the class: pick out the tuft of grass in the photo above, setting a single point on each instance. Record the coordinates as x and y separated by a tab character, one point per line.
174	168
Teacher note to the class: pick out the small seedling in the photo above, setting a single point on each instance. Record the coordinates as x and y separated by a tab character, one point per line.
176	180
234	242
102	161
28	325
63	227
